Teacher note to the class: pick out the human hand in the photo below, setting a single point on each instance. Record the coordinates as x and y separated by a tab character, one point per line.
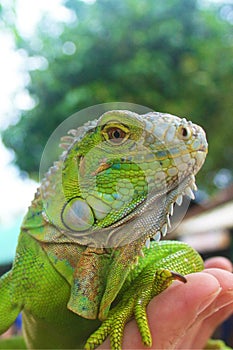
184	316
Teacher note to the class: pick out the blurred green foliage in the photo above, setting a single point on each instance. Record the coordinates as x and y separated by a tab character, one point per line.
172	56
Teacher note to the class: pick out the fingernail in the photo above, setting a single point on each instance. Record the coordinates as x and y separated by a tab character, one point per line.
208	300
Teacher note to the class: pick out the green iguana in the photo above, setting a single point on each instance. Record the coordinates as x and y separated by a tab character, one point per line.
88	249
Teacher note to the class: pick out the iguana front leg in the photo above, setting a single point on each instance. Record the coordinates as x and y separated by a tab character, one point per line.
159	270
134	303
10	307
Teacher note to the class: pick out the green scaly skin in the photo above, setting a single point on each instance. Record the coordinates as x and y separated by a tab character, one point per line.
83	239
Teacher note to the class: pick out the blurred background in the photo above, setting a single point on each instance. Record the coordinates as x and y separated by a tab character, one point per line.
58	57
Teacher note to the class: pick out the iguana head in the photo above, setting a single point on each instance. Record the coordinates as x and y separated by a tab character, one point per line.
119	178
124	166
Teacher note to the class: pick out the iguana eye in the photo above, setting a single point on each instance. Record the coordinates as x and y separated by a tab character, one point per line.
115	134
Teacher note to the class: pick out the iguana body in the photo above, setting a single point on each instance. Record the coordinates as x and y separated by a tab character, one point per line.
81	243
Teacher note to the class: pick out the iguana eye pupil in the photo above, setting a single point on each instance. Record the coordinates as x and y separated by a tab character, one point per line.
116	134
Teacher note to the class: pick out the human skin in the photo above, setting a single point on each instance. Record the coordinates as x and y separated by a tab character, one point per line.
184	316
